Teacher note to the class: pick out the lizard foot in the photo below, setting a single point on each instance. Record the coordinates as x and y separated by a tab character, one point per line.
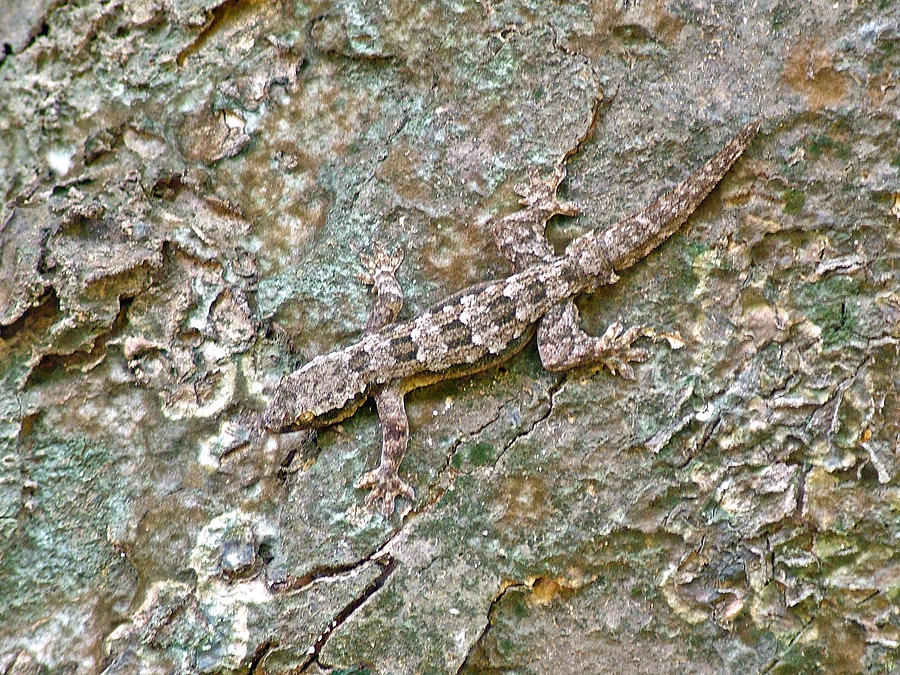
617	351
378	262
540	193
385	486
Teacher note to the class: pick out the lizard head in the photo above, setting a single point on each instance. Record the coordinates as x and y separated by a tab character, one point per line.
322	392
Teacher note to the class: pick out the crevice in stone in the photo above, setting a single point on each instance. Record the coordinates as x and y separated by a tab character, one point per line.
445	475
774	663
93	353
259	654
475	647
45	307
389	564
552	391
292	584
40	27
217	16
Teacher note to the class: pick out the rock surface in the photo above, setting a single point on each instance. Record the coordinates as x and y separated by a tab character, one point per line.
186	187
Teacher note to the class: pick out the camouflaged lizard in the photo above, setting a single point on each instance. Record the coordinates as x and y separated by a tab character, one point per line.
487	323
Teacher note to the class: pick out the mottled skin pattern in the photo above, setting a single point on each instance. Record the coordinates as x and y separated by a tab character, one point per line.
486	323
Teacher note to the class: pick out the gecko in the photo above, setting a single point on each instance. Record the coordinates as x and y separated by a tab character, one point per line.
485	324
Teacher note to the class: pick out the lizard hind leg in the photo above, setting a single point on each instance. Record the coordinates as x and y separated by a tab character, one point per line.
562	344
383	482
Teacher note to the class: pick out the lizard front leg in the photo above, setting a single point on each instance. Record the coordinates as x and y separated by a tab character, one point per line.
380	267
383	482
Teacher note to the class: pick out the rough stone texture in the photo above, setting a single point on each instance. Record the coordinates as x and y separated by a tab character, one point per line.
186	187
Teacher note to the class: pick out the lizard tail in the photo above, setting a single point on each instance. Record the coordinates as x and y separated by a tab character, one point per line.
631	239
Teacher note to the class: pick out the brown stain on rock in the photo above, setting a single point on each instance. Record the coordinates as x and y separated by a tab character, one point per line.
809	69
526	501
882	89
